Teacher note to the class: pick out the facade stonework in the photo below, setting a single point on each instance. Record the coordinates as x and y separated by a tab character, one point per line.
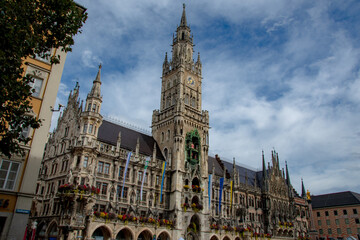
80	187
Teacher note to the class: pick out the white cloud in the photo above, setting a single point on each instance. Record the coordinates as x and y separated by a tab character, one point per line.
282	74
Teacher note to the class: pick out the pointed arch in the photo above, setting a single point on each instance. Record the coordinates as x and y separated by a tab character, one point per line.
164	235
52	231
145	234
214	237
102	231
125	233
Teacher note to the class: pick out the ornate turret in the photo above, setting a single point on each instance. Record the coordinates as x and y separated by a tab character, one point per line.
90	117
182	44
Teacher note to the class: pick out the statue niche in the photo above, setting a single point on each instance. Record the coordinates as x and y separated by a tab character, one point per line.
192	147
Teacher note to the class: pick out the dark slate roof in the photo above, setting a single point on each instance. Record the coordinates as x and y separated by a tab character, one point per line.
219	171
108	133
335	199
218	168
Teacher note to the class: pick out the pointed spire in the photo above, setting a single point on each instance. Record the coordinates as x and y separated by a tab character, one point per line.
154	151
118	144
97	79
183	22
287	174
166	58
198	59
137	147
263	166
303	193
95	90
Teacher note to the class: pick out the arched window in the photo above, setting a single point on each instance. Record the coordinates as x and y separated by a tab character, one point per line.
168	135
166	153
193	102
168	101
187	99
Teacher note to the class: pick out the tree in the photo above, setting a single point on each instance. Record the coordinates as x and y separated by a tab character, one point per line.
29	28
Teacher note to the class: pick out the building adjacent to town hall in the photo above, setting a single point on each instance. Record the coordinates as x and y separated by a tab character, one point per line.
103	180
336	215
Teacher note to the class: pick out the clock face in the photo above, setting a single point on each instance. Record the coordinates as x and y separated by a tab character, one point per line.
190	81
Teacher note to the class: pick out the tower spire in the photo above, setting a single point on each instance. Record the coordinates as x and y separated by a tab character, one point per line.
287	174
303	193
263	165
95	90
183	22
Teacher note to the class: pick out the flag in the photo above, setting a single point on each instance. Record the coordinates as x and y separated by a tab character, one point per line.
147	160
162	180
126	168
210	189
231	191
220	192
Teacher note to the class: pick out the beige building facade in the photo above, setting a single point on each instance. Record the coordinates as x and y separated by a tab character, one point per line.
103	180
19	174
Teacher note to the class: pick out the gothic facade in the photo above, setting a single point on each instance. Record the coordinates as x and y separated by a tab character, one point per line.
87	188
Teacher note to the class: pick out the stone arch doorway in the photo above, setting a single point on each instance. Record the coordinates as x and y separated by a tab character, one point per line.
191	236
237	238
214	238
145	235
124	234
53	232
193	229
163	236
226	238
41	231
101	233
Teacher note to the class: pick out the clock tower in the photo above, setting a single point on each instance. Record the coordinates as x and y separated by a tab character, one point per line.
181	128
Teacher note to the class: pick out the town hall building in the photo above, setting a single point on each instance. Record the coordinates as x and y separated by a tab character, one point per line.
103	180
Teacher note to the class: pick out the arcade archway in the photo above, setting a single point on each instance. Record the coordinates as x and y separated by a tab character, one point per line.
101	233
124	234
145	235
163	236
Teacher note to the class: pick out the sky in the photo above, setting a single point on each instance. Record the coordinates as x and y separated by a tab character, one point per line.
279	74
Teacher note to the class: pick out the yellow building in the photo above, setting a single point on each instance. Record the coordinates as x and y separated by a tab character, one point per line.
18	174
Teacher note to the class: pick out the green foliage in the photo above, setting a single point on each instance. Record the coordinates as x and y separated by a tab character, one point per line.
29	28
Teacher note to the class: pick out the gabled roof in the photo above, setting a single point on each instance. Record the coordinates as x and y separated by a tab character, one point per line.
335	199
221	165
108	133
218	168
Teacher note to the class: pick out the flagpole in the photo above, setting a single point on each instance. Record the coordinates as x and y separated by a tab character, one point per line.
126	168
162	181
